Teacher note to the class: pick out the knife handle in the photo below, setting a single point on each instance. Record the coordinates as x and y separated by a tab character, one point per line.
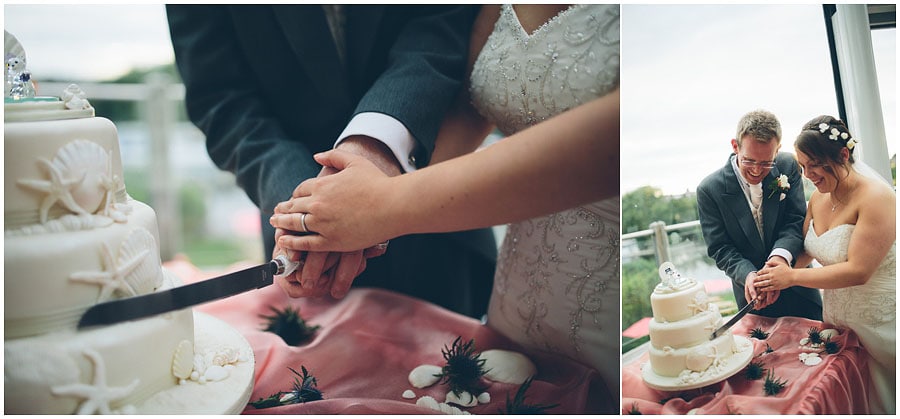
284	266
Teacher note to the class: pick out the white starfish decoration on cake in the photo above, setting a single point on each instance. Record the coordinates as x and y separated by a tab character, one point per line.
57	189
97	396
110	182
114	273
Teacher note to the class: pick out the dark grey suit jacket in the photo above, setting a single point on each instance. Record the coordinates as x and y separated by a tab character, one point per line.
266	86
733	241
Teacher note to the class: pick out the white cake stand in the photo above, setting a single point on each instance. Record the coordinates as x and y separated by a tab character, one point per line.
226	397
730	366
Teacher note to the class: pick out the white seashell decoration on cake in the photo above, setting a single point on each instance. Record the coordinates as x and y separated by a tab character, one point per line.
131	271
183	361
88	161
137	251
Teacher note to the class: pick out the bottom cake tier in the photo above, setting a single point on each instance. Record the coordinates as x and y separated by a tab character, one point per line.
161	364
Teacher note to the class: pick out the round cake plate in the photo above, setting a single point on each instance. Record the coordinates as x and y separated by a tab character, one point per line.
732	366
226	397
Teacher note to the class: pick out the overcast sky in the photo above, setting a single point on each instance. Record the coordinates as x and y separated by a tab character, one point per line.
90	42
688	72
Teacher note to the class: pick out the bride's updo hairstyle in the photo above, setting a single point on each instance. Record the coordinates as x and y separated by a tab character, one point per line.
822	139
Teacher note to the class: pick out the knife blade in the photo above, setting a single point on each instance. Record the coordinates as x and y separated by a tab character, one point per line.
737	317
185	296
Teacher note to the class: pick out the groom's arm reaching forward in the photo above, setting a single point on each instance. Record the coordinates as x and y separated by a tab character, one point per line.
720	246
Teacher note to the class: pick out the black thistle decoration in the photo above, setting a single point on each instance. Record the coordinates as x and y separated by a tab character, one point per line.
814	336
759	334
832	347
634	410
755	370
773	385
289	326
517	406
464	368
767	350
304	390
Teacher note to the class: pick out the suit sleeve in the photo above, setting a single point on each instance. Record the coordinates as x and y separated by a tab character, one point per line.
426	69
719	245
241	134
790	234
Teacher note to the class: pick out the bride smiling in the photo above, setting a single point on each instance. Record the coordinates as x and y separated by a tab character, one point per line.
850	229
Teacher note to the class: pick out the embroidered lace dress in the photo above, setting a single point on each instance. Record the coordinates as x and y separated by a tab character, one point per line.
870	310
557	282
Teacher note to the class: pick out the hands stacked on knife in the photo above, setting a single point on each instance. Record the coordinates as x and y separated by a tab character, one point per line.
323	273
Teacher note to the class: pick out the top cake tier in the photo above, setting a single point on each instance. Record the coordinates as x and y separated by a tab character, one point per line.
58	160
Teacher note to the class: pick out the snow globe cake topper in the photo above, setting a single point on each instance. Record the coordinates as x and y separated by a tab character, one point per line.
670	279
18	79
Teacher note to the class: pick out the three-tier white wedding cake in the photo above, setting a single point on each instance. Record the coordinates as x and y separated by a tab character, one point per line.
682	353
73	237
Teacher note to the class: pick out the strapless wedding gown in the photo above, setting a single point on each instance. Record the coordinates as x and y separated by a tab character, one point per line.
870	310
556	287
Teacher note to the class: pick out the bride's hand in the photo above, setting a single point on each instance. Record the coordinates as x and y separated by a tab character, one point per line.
774	278
346	211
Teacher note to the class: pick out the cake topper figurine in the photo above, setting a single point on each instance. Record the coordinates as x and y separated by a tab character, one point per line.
670	278
18	79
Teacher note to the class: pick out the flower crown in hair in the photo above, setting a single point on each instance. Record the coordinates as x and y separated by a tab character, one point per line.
834	133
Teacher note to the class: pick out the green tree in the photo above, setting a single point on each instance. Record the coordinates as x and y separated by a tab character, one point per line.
648	204
639	277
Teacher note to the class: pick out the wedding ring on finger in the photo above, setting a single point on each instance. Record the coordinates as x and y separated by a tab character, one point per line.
382	246
303	222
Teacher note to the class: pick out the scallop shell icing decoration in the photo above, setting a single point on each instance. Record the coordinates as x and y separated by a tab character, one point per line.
701	358
139	249
183	360
90	160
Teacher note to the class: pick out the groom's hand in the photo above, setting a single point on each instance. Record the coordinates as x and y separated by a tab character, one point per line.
750	289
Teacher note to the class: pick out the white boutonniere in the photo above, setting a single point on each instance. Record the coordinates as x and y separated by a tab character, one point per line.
780	185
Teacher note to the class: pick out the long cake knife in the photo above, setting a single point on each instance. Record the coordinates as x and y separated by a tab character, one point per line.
737	317
185	296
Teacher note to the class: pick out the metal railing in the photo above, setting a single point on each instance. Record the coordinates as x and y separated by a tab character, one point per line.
659	230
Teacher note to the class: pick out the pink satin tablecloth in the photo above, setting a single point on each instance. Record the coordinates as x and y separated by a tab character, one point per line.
370	341
838	385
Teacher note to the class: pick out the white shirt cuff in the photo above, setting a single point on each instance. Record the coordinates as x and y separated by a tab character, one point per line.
389	131
783	253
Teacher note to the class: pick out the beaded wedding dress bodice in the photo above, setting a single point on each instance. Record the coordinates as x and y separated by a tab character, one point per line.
557	282
870	309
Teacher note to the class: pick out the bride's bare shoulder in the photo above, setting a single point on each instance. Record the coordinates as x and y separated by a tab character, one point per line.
876	191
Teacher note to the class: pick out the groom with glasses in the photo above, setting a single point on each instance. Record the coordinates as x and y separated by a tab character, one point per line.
752	211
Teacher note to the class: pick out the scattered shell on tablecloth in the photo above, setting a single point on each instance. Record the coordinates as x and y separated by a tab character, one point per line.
429	402
424	375
409	394
464	399
810	358
828	333
507	366
484	398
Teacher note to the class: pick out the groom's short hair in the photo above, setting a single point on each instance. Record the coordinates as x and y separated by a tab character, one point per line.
759	124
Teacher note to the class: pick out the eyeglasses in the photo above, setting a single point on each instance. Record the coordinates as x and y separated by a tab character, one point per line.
760	164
